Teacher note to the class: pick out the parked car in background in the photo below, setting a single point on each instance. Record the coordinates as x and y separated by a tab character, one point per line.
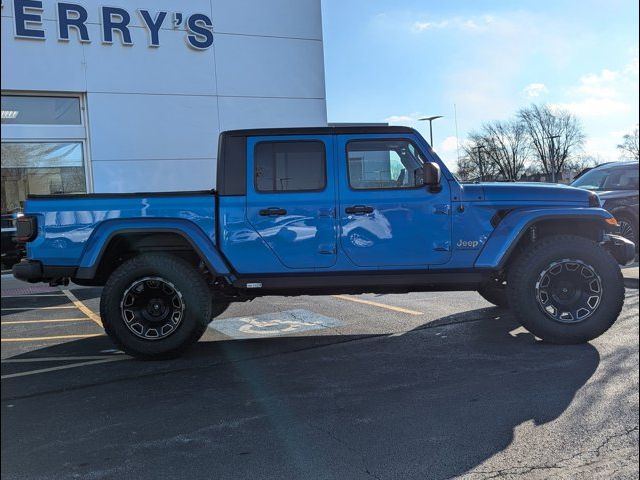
616	184
12	251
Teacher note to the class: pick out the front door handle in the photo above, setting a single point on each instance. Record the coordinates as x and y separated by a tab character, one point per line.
358	209
273	212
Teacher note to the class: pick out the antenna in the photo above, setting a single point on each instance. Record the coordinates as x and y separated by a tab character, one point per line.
455	116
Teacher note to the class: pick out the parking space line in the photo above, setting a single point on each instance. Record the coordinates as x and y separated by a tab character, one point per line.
56	359
22	322
37	295
82	307
55	337
62	367
15	309
379	305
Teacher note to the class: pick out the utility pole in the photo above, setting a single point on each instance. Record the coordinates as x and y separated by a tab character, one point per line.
552	156
430	120
479	148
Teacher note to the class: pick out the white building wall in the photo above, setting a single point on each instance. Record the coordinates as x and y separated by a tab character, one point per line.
154	114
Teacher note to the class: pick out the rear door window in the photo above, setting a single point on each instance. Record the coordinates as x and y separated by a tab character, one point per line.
295	166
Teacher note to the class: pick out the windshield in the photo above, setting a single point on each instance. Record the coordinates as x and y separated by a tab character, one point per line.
609	179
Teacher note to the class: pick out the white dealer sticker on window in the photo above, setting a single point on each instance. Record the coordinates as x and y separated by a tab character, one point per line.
289	322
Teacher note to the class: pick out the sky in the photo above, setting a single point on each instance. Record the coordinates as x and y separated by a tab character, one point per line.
395	61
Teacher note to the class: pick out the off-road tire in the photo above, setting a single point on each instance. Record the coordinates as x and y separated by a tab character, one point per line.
525	271
632	224
187	280
495	293
218	306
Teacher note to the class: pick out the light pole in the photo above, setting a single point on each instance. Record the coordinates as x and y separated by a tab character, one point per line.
430	120
479	148
552	157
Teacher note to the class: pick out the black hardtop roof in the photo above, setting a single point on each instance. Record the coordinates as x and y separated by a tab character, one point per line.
363	129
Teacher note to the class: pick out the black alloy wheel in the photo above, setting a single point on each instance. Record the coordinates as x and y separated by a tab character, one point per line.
152	308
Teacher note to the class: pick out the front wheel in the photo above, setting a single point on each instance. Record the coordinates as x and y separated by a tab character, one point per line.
154	306
565	289
494	291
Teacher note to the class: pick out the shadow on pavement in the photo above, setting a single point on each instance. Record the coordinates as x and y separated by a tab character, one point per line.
430	403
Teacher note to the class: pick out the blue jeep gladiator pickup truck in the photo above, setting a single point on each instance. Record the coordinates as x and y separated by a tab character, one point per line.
324	211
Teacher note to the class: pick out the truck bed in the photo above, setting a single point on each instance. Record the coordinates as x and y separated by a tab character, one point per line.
67	224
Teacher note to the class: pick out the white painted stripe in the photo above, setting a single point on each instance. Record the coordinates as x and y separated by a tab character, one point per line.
55	320
37	308
38	295
61	367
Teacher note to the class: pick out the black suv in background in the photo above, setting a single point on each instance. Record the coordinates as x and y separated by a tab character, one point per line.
616	184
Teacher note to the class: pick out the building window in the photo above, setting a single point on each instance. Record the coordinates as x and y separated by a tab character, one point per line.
289	166
40	168
43	145
31	110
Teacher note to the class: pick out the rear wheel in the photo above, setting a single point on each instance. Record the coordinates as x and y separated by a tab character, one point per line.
218	305
566	289
154	306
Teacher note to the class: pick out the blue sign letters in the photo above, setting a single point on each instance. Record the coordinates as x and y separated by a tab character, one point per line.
153	26
65	21
70	16
28	14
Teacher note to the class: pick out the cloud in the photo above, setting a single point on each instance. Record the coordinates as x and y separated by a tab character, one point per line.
604	93
535	90
448	145
625	131
479	23
594	107
400	119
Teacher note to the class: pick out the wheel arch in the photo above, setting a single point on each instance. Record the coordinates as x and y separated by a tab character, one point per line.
520	228
114	242
626	210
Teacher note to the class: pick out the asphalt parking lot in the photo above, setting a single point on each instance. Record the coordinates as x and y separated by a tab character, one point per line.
429	385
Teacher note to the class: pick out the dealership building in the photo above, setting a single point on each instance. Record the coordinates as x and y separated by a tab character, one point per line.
131	96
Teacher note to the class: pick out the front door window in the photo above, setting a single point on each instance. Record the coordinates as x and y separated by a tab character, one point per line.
388	218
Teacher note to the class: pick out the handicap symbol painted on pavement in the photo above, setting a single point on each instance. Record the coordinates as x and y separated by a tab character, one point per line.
273	324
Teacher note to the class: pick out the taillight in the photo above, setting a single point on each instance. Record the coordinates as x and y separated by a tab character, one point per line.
26	228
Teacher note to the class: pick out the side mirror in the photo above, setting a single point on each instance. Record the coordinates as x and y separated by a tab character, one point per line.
431	175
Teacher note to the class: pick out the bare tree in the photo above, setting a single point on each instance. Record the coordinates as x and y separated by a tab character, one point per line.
556	136
475	164
507	147
629	146
466	169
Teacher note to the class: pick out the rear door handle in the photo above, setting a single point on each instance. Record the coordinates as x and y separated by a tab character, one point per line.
359	209
273	212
